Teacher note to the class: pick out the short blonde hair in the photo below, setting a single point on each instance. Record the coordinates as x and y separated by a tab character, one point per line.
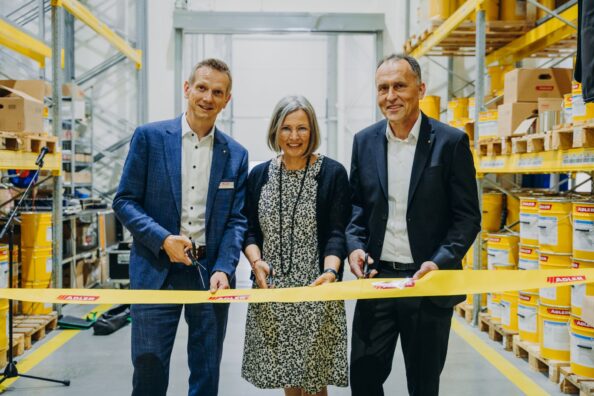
286	106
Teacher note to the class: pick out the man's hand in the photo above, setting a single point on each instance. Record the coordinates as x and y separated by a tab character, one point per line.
426	267
356	262
176	246
218	281
261	273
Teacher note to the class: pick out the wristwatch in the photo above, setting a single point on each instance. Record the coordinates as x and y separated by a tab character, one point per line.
332	271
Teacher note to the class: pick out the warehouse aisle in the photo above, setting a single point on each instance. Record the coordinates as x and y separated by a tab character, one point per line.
100	365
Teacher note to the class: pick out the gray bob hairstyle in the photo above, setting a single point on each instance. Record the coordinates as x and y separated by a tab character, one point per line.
286	106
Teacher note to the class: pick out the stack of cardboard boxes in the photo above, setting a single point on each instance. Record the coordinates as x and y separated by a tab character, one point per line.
21	105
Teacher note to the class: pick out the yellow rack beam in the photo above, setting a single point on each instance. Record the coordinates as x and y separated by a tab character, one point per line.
558	161
444	30
10	159
545	35
83	14
23	43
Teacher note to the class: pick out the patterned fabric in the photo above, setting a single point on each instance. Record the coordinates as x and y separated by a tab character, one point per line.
302	344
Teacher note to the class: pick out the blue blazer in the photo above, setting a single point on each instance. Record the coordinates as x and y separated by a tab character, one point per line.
443	216
148	201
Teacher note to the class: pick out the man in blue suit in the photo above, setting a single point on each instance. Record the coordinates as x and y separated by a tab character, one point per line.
415	210
183	186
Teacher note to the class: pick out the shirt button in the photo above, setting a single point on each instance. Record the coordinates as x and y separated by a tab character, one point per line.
192	187
190	223
191	208
196	147
194	166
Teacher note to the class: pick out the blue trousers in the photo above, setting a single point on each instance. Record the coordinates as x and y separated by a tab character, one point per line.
153	333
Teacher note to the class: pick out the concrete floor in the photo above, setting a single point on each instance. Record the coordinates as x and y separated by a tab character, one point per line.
101	365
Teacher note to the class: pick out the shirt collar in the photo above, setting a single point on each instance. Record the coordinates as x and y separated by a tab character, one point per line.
185	127
413	136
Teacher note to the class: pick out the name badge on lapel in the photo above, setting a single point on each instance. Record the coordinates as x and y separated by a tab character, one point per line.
226	185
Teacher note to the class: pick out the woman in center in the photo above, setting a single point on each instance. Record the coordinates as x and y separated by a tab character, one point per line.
298	206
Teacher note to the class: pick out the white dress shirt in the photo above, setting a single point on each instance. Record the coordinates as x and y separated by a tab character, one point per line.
401	153
195	172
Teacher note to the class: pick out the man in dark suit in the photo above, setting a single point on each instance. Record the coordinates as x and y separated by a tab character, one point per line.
182	189
415	210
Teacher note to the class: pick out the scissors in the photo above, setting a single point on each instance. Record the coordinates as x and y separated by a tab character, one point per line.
269	278
193	255
367	266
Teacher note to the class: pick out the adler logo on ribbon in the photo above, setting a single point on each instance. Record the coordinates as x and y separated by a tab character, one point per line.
242	297
565	279
72	297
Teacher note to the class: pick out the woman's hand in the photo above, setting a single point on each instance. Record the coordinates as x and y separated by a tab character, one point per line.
326	277
261	273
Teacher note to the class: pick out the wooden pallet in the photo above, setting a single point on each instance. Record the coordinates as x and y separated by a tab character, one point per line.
583	135
531	352
18	348
465	310
532	143
496	331
495	146
562	138
34	327
33	142
574	384
8	141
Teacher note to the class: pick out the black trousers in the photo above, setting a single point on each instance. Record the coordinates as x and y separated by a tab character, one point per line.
584	66
423	329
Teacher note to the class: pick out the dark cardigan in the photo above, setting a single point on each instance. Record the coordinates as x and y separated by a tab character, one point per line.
333	208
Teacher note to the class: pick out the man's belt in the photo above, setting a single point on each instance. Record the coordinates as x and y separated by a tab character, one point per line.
398	266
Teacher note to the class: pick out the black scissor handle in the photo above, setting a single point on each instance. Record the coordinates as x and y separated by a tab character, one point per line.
367	266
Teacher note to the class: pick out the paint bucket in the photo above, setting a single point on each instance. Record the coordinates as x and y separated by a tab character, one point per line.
3	266
487	125
502	251
554	225
469	257
494	307
583	230
556	296
528	316
36	265
528	260
513	10
35	308
581	348
554	332
580	110
492	202
36	230
430	106
529	221
457	109
513	213
441	9
567	109
578	292
3	324
470	299
497	74
491	8
509	311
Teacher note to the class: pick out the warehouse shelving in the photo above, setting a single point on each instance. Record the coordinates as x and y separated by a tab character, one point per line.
551	38
10	159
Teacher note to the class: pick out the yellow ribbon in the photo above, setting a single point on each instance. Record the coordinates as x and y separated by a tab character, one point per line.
436	283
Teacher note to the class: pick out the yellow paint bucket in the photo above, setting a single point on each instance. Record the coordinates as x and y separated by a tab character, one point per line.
513	213
550	4
36	265
567	109
554	225
554	332
581	348
502	251
583	230
513	10
470	299
529	221
430	106
457	109
494	306
441	9
497	74
36	230
528	316
555	296
528	260
579	291
491	11
469	257
509	311
34	308
3	324
3	266
580	110
492	202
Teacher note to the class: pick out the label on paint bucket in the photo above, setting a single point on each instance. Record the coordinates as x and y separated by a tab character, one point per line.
527	318
577	295
550	293
48	265
547	230
525	264
583	235
48	234
498	257
581	351
529	226
555	335
505	313
4	274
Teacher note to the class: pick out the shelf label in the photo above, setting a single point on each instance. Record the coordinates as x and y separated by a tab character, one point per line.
581	159
530	162
498	164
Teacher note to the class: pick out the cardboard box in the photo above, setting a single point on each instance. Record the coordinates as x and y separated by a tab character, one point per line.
80	274
588	310
487	125
35	88
20	112
73	90
527	85
512	114
550	104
